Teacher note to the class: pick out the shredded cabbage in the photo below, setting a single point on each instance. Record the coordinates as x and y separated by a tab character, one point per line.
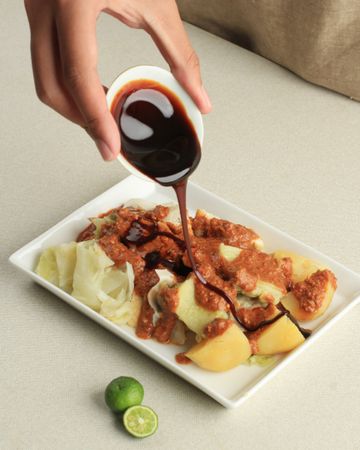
84	270
116	295
65	256
91	262
47	267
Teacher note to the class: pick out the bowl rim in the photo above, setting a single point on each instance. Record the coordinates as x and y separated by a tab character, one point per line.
162	76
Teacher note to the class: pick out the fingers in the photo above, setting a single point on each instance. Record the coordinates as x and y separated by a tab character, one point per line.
46	68
168	33
76	27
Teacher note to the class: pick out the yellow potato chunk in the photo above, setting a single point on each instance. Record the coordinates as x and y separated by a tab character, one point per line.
222	352
311	297
302	267
281	336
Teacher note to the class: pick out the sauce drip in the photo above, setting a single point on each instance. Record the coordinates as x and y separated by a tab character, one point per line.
306	333
153	259
141	233
180	189
158	139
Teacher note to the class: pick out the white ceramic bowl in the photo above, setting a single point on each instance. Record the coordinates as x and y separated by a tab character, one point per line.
165	78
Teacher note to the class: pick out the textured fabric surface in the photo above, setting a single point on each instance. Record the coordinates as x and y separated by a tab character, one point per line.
280	148
318	40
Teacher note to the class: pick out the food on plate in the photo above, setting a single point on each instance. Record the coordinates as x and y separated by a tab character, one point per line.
194	316
221	351
236	235
302	267
131	266
278	337
312	288
310	298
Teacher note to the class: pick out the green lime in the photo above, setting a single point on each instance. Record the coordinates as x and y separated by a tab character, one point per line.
140	421
122	393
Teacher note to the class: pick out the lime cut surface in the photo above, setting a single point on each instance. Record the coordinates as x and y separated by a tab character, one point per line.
122	393
140	421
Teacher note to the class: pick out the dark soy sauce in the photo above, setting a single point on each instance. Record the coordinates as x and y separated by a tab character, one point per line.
158	139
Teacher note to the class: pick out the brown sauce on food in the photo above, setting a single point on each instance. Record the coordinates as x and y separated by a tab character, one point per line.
145	327
217	327
87	234
252	318
229	233
164	327
311	292
211	300
121	254
170	298
287	270
252	265
154	260
181	358
144	281
208	261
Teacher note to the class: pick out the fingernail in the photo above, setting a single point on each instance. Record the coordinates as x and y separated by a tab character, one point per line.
104	149
206	98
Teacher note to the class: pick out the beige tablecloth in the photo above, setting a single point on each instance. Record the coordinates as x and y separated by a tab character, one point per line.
277	146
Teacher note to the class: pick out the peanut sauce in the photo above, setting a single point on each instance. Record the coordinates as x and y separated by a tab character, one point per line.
87	234
251	318
311	292
227	232
181	358
217	327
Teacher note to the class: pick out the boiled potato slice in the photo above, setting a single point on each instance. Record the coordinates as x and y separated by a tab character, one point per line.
193	315
292	304
222	352
281	336
302	267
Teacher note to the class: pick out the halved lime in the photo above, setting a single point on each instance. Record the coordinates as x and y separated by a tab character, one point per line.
122	393
140	421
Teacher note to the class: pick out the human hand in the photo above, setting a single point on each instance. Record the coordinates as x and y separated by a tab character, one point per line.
64	58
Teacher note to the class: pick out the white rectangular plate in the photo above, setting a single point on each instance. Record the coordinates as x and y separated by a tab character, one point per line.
230	388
